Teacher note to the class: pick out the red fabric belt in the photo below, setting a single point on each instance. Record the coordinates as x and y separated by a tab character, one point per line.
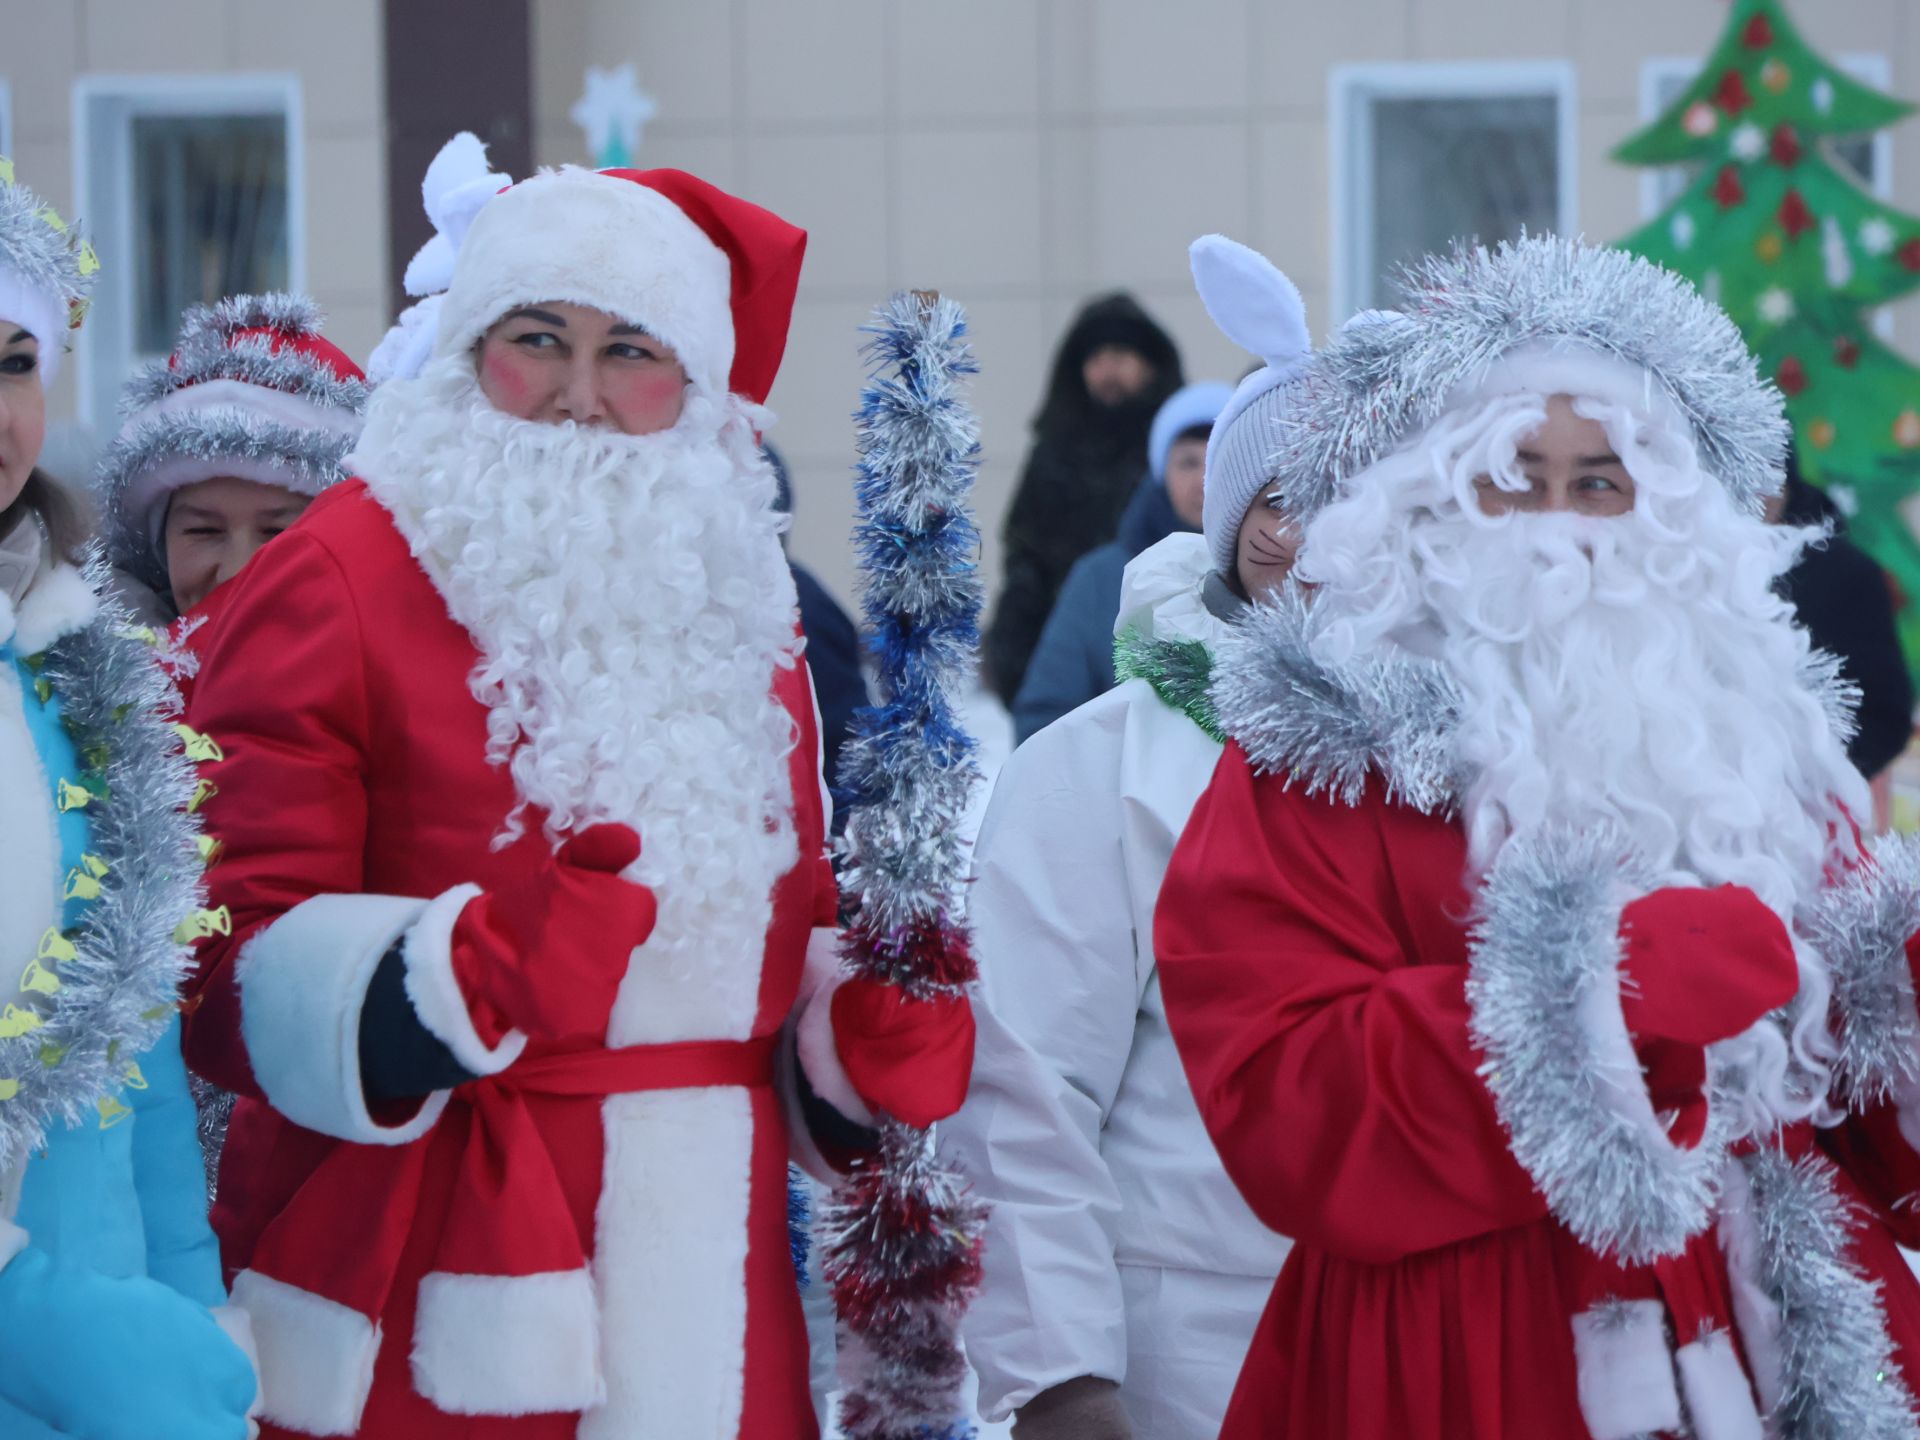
686	1065
507	1212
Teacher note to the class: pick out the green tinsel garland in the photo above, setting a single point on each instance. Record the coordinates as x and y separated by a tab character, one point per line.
1180	672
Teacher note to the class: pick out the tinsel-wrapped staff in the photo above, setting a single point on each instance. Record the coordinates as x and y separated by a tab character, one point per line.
902	1236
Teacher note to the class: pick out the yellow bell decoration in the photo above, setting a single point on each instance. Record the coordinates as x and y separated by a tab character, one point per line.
42	689
136	1079
209	850
112	1112
83	881
51	1054
6	170
37	979
200	748
9	1089
55	947
202	793
69	796
16	1021
145	634
202	924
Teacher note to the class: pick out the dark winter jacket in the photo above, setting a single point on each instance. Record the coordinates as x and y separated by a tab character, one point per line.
1842	597
1082	470
833	655
1074	660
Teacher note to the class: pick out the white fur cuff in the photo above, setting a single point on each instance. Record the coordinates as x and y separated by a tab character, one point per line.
508	1344
435	993
1719	1399
303	981
315	1357
813	1031
1625	1370
12	1241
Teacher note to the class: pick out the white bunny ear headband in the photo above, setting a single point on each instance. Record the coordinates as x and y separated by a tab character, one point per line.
1253	303
456	188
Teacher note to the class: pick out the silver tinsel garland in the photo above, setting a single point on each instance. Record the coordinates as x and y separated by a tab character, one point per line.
1841	1380
1545	949
1377	385
47	253
901	1236
123	986
1861	925
1328	729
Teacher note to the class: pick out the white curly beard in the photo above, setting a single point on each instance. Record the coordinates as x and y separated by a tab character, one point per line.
630	602
1638	673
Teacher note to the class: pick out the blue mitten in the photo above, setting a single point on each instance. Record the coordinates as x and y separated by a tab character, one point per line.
101	1358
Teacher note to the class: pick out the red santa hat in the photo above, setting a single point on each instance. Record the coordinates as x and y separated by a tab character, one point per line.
704	272
251	390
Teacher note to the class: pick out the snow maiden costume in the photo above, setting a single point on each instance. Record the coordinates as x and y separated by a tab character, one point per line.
517	1102
1525	961
107	1267
1117	1249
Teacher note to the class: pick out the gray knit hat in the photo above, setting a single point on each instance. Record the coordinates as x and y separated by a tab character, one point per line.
1259	309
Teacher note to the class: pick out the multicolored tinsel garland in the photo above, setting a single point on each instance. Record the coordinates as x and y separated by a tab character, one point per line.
901	1237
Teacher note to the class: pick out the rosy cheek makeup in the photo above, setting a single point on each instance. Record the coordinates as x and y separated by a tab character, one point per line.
504	380
646	398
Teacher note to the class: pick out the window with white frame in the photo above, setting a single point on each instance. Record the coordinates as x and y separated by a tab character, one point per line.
1868	157
1426	154
191	187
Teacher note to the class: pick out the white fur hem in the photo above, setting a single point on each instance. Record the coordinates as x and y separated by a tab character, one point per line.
315	1356
12	1241
436	997
303	980
1755	1312
1625	1370
235	1325
508	1344
813	1031
1719	1399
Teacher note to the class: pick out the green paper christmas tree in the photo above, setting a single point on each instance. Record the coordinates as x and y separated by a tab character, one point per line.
1782	236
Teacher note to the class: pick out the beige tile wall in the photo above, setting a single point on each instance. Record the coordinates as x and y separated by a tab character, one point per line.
1024	154
334	46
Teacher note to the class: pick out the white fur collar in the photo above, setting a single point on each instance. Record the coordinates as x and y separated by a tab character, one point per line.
59	602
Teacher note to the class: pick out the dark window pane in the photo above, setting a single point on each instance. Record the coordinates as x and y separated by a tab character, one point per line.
1467	169
210	214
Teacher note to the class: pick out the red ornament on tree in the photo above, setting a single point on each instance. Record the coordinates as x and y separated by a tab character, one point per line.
1910	254
1759	33
1786	147
1791	377
1727	190
1732	95
1846	351
1795	218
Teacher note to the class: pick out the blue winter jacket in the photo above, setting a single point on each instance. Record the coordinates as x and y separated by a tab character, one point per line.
1074	660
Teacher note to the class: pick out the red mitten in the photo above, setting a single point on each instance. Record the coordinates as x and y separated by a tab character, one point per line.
546	953
1702	965
910	1058
1676	1078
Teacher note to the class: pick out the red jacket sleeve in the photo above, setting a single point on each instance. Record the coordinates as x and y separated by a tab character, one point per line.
282	692
1329	1054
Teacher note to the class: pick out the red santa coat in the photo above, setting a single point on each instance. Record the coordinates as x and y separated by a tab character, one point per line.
354	780
1314	958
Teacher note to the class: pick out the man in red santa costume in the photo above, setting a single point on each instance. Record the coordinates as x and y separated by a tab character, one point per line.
1523	954
523	850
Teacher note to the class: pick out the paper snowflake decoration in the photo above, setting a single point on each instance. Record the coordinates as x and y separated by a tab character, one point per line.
1846	498
1749	142
612	113
1683	230
1775	306
1834	254
1822	95
1877	235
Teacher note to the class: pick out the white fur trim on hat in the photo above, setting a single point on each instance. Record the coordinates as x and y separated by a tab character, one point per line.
38	312
1568	367
1259	309
580	237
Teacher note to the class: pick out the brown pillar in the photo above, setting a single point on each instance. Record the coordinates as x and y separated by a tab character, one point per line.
451	65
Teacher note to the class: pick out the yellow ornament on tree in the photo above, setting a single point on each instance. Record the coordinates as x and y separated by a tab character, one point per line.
1775	75
1769	247
1822	434
1906	430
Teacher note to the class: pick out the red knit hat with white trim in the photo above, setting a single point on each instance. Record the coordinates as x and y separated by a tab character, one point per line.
707	274
252	390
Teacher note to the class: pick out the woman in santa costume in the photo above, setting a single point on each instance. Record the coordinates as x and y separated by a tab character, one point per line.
222	446
108	1271
1123	1272
1523	954
530	988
